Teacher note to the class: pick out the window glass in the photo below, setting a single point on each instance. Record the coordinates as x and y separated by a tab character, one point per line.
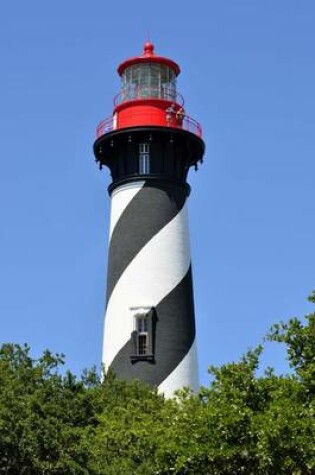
144	158
144	148
143	336
142	324
148	80
142	344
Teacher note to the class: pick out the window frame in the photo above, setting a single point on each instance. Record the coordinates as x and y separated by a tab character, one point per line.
144	162
141	323
147	330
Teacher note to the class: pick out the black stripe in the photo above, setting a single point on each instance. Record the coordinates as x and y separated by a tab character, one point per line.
146	214
175	334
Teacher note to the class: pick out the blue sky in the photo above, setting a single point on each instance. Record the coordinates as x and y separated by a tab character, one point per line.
248	75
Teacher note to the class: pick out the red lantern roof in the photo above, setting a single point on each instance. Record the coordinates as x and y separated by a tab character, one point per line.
148	56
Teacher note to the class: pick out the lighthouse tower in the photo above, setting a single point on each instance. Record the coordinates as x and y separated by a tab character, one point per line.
149	144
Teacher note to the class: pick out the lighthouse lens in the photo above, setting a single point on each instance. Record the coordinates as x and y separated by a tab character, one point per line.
148	80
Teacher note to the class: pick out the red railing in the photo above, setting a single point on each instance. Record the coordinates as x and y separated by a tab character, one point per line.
188	123
191	125
147	92
105	126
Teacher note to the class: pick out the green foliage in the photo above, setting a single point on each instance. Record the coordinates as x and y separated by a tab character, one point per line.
54	423
43	415
300	342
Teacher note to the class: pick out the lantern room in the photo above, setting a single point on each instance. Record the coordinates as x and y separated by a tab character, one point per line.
148	96
152	77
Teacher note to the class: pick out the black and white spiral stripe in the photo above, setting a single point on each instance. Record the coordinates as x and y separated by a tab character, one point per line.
149	266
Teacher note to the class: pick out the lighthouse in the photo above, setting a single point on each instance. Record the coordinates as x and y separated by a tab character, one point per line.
149	144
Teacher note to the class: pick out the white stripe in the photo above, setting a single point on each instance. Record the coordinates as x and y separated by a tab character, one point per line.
154	272
120	199
185	374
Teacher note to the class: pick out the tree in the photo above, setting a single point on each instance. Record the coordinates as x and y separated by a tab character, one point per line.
43	415
241	424
52	422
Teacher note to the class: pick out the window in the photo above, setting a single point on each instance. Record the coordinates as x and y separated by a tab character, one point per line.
148	80
143	334
144	158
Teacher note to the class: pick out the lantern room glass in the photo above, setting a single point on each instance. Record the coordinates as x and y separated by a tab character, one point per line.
148	80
